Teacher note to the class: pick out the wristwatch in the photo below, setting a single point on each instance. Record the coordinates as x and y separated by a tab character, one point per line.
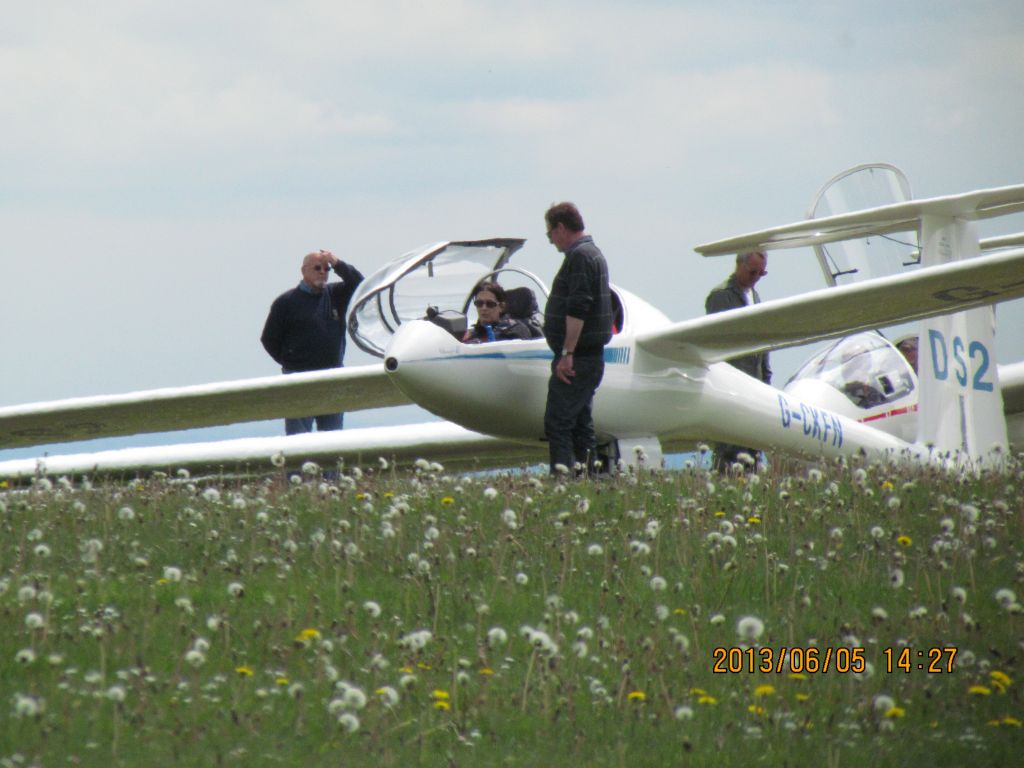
566	352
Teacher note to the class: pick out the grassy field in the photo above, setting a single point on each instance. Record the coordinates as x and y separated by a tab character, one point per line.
405	616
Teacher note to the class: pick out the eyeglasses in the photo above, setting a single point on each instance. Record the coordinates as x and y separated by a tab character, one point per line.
321	269
485	303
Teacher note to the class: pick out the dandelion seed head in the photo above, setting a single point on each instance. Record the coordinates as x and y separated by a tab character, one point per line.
27	706
896	578
882	703
749	628
349	722
116	693
1005	597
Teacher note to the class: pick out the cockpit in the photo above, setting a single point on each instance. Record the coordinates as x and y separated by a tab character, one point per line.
436	283
865	368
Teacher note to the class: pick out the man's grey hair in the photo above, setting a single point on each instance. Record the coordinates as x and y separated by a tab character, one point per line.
743	258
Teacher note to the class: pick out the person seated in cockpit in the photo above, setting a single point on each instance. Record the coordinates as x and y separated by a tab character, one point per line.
493	324
856	375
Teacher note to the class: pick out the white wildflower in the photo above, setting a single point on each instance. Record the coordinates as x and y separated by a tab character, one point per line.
749	628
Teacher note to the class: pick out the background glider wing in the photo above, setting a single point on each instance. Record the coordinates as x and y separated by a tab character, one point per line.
203	405
440	441
833	312
899	217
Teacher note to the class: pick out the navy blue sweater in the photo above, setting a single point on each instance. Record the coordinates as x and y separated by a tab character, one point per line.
306	331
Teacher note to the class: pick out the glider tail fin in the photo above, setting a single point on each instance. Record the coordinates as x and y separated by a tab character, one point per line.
960	411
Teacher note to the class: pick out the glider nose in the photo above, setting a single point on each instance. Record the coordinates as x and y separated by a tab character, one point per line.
391	364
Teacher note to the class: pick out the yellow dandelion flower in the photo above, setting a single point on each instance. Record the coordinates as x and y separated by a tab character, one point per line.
442	705
362	496
447	501
754	709
764	690
1011	721
405	670
679	611
904	541
161	581
389	494
421	665
754	520
803	697
1000	678
710	700
437	693
486	671
797	676
887	486
979	690
4	485
282	680
698	692
637	696
895	712
720	514
309	634
244	671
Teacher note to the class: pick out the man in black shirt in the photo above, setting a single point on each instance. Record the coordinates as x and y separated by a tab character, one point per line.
305	330
577	326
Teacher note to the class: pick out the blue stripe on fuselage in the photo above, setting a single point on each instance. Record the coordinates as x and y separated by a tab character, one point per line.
612	355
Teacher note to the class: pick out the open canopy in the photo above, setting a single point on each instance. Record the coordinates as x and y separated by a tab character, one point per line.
441	275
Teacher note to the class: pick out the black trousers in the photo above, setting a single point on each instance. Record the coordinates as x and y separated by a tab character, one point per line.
568	418
726	455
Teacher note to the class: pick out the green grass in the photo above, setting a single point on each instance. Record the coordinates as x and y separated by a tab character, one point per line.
613	597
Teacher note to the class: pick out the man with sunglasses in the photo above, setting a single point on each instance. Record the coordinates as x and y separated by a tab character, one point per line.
738	291
577	326
305	330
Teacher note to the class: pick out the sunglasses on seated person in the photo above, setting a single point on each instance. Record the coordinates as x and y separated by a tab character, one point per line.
489	303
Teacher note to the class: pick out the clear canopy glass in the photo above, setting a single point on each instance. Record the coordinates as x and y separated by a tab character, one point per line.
441	276
865	367
853	261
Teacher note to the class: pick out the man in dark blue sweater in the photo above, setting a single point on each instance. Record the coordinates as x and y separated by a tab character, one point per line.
305	330
577	326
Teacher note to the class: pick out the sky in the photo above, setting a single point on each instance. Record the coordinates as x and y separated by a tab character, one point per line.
165	166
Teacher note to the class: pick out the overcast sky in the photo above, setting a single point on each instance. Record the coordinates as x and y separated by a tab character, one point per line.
164	166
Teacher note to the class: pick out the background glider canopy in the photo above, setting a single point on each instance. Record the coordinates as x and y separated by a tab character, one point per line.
853	261
440	275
